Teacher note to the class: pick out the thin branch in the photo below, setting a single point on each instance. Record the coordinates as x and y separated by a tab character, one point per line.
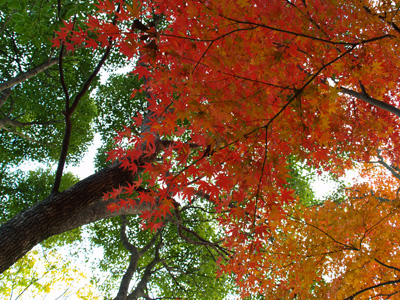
28	74
261	176
218	38
259	81
151	243
172	275
389	168
308	36
68	114
125	242
62	79
33	281
387	266
394	26
13	123
200	241
8	20
25	137
372	287
347	247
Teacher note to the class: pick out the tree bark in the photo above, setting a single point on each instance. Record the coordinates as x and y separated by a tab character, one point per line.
28	74
4	96
81	204
375	102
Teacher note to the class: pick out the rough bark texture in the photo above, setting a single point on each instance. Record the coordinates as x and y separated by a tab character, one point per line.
98	211
72	208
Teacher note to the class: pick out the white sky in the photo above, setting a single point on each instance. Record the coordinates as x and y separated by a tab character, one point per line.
86	166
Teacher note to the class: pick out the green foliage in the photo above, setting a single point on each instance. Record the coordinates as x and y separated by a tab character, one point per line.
300	181
20	190
187	271
193	266
37	273
303	179
116	106
39	101
41	17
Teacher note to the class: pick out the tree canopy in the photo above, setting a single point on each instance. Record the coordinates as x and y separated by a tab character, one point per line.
51	98
233	97
31	121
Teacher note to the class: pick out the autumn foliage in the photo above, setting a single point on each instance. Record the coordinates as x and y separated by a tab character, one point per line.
234	89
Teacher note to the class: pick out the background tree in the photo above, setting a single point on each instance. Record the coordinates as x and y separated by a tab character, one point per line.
31	122
37	275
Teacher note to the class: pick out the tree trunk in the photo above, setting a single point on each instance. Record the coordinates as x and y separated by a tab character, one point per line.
81	204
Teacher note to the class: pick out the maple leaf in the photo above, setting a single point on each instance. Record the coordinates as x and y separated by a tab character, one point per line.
146	215
116	192
253	84
61	35
55	42
142	72
153	226
91	43
132	187
106	6
112	207
68	25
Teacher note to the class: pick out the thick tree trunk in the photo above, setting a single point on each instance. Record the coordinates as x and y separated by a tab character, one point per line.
81	204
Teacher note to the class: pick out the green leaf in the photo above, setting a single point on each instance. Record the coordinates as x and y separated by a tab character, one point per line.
14	4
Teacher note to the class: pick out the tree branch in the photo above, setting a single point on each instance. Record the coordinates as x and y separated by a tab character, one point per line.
135	256
372	287
387	167
8	20
62	212
68	122
125	242
70	110
366	98
13	123
168	268
4	96
28	74
24	136
139	290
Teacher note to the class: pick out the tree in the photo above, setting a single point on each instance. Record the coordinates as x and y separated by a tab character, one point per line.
28	280
45	99
32	101
160	264
228	84
31	122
